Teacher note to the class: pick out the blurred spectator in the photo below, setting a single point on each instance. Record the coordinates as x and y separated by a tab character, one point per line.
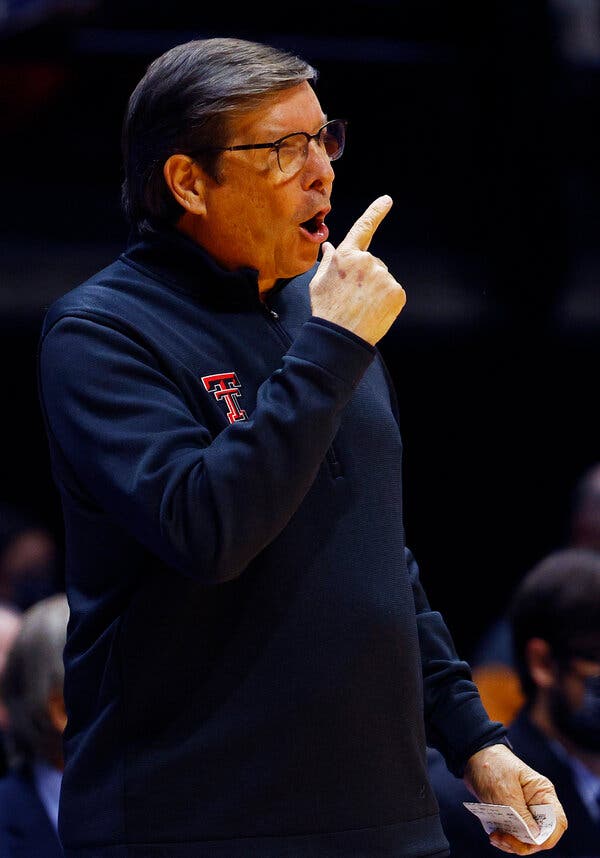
555	622
32	691
492	661
10	623
28	559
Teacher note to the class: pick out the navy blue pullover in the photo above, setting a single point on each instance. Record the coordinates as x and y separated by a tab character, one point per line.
252	665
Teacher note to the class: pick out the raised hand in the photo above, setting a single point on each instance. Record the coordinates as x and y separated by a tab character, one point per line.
352	287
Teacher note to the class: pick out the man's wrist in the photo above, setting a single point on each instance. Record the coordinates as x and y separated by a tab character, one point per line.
502	740
477	757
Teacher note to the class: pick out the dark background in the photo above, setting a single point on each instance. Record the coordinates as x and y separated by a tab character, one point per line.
480	121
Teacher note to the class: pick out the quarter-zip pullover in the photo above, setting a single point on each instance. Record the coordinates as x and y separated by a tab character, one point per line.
251	659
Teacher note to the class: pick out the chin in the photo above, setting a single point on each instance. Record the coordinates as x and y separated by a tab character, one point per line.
309	259
299	263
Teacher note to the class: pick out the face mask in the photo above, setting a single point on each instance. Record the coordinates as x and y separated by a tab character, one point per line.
582	725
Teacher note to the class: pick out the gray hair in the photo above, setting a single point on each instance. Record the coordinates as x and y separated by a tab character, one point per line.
186	101
34	669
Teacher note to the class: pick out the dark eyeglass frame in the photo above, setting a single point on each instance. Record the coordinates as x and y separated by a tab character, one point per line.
276	144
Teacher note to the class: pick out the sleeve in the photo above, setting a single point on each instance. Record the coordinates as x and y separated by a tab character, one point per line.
456	721
464	831
130	441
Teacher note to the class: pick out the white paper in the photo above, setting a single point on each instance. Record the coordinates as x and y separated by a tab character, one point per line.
502	817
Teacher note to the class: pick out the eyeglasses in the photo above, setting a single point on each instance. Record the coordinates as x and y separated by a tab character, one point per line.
292	149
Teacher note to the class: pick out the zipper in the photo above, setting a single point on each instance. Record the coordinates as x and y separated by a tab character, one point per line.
333	463
273	317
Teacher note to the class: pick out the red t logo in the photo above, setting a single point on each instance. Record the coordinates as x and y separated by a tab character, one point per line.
225	385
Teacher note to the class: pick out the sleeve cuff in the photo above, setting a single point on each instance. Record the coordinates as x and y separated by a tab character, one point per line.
338	351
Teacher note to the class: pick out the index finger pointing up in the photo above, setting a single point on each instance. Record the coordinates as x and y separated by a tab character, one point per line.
362	230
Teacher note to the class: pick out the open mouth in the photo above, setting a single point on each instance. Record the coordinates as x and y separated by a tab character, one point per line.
315	226
311	225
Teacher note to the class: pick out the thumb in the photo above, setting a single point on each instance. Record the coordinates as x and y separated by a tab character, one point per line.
527	817
327	249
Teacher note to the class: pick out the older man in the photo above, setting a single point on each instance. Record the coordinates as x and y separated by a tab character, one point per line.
252	662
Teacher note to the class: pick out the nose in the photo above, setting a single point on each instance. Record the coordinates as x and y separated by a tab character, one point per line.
318	169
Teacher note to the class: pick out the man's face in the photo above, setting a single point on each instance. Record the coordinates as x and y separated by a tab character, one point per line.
254	215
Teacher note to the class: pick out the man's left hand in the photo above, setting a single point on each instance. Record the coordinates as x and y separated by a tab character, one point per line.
495	775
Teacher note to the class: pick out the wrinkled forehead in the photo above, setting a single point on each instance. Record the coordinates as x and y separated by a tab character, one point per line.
279	113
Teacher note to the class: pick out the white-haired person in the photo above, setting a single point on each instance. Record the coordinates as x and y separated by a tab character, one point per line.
31	689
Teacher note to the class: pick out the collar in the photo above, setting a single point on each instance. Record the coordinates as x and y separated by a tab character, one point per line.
177	261
47	783
586	781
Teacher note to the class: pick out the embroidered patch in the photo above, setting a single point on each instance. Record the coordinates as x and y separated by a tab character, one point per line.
225	386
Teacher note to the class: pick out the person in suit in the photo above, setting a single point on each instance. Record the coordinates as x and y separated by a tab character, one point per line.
32	691
492	661
554	618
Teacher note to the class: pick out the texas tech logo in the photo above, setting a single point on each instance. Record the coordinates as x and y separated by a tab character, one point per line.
225	386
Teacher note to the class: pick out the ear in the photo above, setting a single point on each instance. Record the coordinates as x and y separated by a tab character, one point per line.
540	662
186	181
57	711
